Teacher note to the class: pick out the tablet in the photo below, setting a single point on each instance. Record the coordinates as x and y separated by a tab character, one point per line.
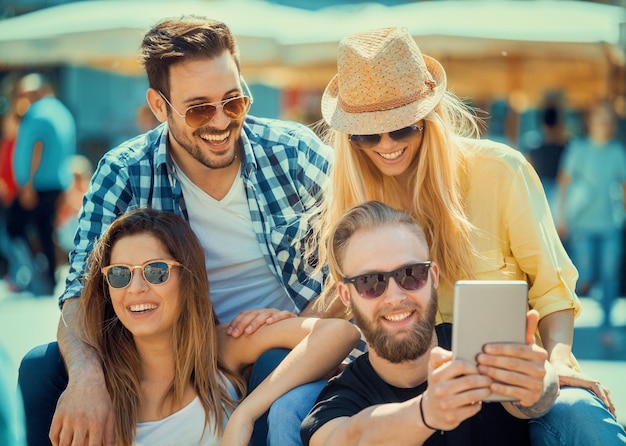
487	311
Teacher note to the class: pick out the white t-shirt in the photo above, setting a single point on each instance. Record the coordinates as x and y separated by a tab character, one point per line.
184	428
239	276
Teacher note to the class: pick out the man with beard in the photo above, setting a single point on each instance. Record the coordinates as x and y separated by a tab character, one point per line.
407	387
244	184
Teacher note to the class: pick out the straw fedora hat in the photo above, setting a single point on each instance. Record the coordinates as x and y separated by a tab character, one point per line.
383	83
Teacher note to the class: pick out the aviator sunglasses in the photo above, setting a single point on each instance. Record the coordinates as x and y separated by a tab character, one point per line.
373	285
156	272
369	141
199	115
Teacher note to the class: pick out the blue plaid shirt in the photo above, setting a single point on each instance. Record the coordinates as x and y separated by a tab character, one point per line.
284	169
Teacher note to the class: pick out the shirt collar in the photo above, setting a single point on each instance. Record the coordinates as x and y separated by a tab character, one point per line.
248	138
161	154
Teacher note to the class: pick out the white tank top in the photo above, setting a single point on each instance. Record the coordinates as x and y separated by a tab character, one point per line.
239	276
184	427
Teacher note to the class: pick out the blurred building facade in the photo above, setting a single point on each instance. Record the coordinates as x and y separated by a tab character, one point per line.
507	79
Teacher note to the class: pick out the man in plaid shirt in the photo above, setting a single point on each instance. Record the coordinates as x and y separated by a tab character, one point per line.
245	184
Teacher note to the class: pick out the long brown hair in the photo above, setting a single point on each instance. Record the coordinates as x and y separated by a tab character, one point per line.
193	336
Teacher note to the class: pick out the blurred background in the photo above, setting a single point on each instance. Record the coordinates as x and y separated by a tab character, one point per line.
512	59
507	57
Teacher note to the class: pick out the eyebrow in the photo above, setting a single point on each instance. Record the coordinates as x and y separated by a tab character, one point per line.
402	265
205	100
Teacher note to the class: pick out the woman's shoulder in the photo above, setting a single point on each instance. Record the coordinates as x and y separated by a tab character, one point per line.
485	154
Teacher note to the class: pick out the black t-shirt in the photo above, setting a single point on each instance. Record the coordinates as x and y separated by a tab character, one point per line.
359	387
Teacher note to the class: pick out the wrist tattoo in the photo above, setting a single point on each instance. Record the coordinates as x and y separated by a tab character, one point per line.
543	405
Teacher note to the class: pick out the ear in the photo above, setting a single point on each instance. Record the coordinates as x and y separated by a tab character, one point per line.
434	274
157	104
344	293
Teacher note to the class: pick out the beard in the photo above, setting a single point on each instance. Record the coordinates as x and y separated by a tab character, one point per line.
207	159
410	347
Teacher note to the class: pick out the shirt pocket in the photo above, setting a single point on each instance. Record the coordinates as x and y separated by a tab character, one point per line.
287	236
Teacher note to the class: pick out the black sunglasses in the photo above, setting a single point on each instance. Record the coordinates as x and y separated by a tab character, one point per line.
369	141
156	272
373	285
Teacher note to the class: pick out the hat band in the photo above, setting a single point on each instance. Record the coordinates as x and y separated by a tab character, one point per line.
386	105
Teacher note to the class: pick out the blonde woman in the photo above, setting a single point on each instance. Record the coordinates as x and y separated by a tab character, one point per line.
400	137
173	373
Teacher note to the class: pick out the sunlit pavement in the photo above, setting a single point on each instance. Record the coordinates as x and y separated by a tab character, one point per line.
27	321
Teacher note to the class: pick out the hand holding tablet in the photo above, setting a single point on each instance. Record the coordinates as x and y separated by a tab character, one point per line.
488	311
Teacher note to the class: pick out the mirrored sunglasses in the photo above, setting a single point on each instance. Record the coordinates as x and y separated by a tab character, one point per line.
369	141
201	114
155	272
373	285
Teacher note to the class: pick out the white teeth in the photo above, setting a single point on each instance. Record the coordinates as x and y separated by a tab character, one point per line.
212	137
397	317
393	155
139	308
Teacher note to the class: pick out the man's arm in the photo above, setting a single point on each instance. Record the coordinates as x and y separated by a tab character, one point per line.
543	404
84	409
385	424
455	390
84	413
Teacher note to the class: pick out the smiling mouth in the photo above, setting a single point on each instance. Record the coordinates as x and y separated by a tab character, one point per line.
216	138
398	317
142	308
393	155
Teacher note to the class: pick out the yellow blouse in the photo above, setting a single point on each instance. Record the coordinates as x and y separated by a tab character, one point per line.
515	235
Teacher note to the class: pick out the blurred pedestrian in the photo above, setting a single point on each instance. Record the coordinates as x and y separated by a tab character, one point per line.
8	133
8	186
592	185
66	222
46	140
546	157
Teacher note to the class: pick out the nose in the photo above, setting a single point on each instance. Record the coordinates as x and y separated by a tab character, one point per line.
137	281
219	119
385	141
394	293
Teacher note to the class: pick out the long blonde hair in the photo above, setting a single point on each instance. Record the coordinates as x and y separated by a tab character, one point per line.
194	336
437	201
